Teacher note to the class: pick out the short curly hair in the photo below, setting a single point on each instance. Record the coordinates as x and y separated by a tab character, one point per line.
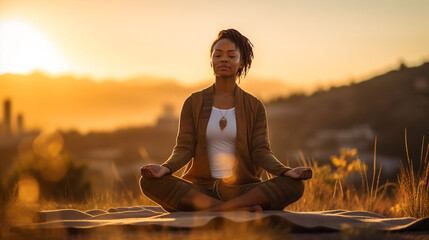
242	43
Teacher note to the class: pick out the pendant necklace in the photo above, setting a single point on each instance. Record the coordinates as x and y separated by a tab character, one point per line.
223	121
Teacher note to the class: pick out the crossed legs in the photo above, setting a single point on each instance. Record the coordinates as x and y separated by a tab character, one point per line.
175	194
250	201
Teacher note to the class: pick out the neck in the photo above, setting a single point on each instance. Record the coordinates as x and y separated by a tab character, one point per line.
224	86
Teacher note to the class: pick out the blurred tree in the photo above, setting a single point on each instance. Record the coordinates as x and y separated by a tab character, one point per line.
45	164
59	179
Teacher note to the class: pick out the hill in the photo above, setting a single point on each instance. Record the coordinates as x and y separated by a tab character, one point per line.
352	116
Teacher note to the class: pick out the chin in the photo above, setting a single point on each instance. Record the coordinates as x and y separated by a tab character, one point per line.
225	75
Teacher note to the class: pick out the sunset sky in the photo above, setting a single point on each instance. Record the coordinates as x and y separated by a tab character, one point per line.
298	42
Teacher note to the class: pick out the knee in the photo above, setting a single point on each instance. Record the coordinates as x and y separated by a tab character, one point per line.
299	188
151	185
146	184
294	189
283	191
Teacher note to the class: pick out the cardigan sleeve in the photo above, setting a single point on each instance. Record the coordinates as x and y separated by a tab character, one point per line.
184	149
261	148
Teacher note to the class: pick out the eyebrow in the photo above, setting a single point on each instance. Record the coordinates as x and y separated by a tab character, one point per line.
232	50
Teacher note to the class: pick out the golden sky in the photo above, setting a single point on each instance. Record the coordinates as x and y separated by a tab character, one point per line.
300	42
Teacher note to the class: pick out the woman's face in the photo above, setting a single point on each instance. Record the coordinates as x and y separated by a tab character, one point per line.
226	59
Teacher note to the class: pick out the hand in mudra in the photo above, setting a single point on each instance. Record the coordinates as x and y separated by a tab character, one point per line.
299	173
154	171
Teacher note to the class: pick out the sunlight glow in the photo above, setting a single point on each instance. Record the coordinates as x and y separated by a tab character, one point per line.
28	189
24	49
53	165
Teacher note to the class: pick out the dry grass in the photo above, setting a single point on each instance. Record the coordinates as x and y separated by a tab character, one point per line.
414	185
335	187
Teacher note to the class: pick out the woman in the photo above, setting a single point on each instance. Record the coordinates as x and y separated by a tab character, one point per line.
223	135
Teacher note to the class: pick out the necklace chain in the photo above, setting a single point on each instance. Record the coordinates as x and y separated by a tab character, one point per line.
225	112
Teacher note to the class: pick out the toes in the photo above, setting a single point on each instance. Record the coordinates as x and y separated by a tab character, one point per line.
256	208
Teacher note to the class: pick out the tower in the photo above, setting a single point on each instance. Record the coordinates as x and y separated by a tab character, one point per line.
20	123
7	118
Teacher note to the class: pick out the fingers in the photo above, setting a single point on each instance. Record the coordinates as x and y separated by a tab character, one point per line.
306	174
310	173
142	171
147	172
151	171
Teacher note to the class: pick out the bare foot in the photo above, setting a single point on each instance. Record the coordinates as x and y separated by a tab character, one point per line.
254	208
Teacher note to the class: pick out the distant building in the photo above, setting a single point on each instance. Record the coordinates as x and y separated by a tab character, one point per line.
20	124
7	133
325	142
349	137
403	66
7	128
168	120
10	137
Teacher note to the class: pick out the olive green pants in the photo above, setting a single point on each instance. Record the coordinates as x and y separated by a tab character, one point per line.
168	190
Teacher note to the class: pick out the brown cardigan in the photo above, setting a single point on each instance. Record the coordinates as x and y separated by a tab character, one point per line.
253	152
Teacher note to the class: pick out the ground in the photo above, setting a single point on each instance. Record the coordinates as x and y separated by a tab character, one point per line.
222	233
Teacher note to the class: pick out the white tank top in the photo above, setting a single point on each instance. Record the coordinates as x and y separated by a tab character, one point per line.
221	144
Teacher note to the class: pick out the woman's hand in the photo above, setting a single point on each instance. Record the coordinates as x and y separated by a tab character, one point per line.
299	173
154	171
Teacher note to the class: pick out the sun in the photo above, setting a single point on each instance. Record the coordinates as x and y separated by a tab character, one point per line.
23	49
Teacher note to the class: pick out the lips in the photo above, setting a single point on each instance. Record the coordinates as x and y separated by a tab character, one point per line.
223	66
